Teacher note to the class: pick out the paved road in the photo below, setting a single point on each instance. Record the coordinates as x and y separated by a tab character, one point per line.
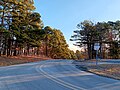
52	75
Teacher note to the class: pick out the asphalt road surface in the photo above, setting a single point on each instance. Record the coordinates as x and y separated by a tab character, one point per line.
52	75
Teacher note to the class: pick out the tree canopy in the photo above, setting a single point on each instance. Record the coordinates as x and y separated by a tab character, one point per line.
105	33
22	32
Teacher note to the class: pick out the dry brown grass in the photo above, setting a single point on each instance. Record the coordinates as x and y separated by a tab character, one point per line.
108	70
5	61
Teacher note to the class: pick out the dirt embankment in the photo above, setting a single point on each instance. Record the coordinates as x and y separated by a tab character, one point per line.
6	61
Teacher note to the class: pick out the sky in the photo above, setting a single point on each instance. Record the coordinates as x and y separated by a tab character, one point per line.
66	14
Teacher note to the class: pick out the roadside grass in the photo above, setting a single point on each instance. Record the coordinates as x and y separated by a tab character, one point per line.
106	70
6	61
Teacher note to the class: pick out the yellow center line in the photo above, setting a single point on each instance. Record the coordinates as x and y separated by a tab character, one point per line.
59	81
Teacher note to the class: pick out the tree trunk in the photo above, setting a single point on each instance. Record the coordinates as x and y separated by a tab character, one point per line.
28	47
89	50
9	47
100	50
15	51
93	51
46	47
37	50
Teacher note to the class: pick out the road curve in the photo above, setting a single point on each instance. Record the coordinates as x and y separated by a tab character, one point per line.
52	75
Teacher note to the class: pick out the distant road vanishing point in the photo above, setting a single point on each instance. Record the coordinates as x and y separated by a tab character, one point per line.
52	75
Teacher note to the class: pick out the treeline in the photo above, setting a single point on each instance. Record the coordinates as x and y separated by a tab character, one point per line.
107	34
22	32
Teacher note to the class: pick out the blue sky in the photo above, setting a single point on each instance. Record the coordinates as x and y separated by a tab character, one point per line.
66	14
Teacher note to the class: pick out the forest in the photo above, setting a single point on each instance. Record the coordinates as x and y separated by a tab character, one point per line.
22	32
107	34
